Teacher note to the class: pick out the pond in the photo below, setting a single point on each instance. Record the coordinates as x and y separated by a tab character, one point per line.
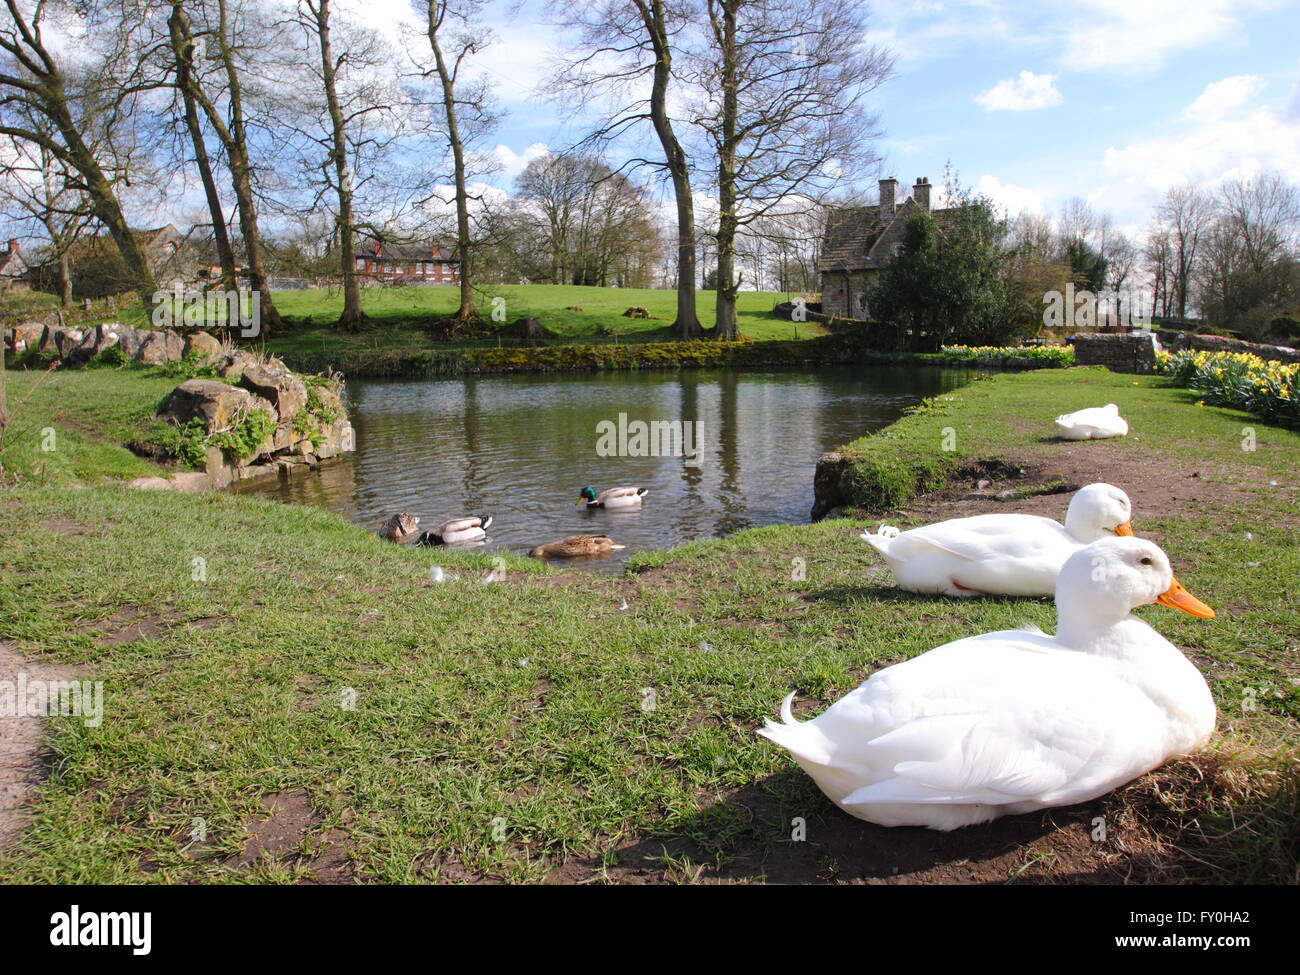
743	446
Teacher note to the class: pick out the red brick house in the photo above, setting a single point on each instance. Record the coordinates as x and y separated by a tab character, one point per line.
407	263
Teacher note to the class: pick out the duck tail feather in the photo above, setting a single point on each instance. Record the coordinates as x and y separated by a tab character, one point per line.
799	738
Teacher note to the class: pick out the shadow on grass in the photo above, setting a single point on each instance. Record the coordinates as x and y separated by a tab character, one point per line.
751	836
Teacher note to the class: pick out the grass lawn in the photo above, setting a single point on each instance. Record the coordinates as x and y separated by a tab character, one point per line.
304	703
91	414
398	315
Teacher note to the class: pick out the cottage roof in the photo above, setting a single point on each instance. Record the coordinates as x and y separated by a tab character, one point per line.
853	233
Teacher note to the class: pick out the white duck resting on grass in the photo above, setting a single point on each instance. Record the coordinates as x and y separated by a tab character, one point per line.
459	531
1001	554
1094	423
1014	721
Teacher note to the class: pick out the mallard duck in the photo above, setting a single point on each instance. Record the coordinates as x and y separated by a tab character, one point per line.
458	531
623	497
1014	721
400	528
1001	554
1094	423
576	546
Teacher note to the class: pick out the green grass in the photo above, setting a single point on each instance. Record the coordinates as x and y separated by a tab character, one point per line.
499	730
92	414
995	415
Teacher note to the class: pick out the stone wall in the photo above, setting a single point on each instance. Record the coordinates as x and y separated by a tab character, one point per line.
75	345
1177	341
1118	353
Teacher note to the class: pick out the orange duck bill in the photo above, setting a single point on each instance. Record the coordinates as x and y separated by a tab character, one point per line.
1124	529
1176	597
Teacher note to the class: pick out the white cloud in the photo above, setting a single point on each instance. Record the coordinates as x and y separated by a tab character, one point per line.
1011	198
1140	36
1221	97
1025	92
1204	153
513	163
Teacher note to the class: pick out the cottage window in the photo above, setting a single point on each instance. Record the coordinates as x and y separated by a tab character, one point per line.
361	263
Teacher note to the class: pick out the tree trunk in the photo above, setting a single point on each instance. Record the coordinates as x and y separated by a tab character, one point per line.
352	313
234	138
687	323
466	312
183	48
726	328
65	280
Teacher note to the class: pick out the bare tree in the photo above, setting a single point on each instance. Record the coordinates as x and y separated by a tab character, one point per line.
35	182
1121	262
782	83
1185	214
84	106
1263	213
346	108
1157	260
465	105
184	51
624	45
228	29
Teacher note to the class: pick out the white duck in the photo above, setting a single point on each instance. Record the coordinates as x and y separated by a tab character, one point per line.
1094	423
458	531
1001	554
1014	721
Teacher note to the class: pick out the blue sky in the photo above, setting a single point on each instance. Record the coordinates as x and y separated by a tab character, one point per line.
1110	100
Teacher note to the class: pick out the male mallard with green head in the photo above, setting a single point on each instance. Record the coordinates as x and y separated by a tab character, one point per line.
621	497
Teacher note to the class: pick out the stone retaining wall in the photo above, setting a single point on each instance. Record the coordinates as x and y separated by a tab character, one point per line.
1118	353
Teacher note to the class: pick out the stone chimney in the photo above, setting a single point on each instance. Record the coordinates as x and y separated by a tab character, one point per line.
888	194
921	193
13	245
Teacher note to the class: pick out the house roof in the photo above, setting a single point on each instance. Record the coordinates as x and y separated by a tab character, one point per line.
853	234
850	234
404	252
12	264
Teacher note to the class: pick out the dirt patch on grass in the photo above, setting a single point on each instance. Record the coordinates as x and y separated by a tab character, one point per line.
24	755
289	835
1159	486
68	528
132	622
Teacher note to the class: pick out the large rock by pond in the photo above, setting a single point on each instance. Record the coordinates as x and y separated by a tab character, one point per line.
216	403
269	386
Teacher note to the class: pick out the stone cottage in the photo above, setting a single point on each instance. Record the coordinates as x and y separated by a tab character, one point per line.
859	241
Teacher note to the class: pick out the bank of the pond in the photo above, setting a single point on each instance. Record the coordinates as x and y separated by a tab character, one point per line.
810	353
328	712
1007	418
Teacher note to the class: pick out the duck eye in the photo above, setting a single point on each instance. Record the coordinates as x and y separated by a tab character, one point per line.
1146	560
